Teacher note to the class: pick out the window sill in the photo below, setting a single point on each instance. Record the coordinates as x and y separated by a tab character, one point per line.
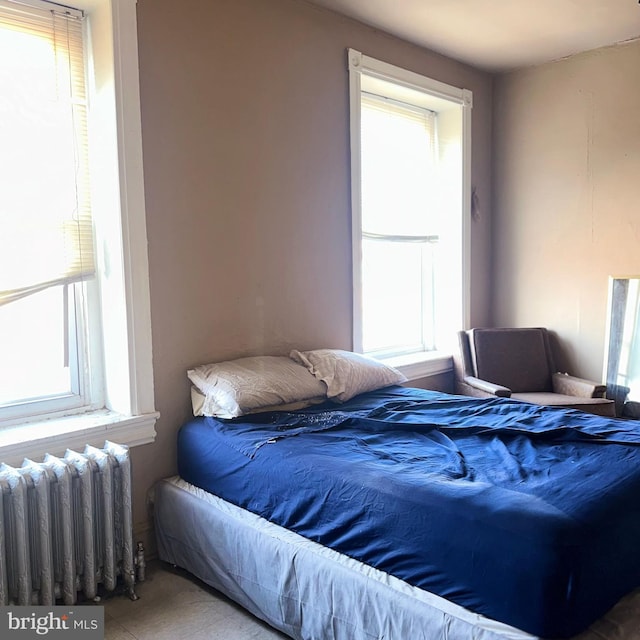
35	439
421	365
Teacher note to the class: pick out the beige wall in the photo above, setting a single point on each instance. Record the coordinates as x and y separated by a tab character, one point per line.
246	154
566	187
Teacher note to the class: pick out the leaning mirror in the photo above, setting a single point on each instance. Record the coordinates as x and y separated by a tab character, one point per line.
622	346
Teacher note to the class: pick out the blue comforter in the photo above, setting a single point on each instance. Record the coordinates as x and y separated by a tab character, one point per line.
525	514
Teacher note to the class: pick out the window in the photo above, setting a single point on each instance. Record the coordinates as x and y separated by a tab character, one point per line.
410	146
74	298
46	236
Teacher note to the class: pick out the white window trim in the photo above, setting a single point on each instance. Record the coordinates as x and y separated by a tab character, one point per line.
129	417
416	366
432	362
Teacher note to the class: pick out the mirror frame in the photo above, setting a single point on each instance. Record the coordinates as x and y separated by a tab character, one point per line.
613	345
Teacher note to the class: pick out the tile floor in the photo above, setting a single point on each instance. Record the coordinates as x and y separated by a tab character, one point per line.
173	605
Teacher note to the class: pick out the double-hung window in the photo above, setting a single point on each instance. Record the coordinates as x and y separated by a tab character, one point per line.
46	231
399	231
410	146
75	350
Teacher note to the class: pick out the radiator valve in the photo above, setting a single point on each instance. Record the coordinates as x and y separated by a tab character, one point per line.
140	562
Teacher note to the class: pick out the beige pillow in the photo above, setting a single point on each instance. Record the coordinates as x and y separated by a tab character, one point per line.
347	374
246	385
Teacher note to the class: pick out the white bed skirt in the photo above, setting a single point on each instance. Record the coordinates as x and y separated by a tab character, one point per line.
310	592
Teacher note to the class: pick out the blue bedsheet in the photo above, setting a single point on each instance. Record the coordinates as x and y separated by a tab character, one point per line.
526	514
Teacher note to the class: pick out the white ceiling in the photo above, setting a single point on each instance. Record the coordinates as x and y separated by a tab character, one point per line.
499	35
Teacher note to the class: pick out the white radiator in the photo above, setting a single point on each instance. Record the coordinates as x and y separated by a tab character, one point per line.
65	527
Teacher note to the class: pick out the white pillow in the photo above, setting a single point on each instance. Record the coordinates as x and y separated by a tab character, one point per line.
247	385
347	374
198	401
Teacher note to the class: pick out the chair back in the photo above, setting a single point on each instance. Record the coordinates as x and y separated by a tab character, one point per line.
519	359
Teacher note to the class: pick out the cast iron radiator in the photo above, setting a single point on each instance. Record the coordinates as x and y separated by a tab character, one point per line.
66	527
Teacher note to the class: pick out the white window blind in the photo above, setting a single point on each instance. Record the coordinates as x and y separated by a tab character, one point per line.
399	176
46	234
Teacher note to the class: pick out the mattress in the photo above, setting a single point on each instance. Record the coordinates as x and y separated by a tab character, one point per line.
523	514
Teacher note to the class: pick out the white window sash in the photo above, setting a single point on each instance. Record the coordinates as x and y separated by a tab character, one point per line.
66	235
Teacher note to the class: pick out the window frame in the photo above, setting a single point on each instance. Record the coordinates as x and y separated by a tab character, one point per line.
122	395
424	362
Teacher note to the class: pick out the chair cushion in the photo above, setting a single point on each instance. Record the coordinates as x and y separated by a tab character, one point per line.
514	358
598	406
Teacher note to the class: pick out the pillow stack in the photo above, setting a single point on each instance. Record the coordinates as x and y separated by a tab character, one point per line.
279	383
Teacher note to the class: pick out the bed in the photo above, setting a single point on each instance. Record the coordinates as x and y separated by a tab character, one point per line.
405	513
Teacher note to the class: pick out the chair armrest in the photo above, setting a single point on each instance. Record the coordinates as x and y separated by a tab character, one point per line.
488	387
579	387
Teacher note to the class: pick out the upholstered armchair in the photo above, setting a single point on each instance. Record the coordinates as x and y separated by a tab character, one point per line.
519	364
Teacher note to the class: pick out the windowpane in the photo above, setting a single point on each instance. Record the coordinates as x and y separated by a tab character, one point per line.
32	332
396	295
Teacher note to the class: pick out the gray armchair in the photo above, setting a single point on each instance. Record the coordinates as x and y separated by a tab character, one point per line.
518	363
